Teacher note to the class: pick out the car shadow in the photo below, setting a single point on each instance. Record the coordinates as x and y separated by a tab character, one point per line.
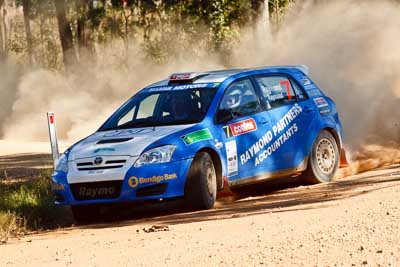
271	197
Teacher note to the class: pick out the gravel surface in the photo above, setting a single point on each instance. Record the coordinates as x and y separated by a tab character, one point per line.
351	222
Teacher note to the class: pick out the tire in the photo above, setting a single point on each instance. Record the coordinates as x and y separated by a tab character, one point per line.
201	186
324	159
84	214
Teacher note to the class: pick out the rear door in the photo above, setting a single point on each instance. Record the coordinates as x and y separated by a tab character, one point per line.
292	116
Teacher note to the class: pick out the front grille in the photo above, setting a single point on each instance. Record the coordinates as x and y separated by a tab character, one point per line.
96	190
109	164
151	190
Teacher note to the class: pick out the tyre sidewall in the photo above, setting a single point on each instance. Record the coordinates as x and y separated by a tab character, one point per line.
197	193
209	197
317	173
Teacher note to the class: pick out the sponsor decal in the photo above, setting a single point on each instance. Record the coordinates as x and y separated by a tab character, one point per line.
180	76
59	187
241	127
305	81
322	105
283	130
133	181
180	87
313	91
283	138
129	132
105	149
231	154
96	192
321	102
197	136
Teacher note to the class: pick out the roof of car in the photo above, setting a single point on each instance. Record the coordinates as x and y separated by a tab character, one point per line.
218	76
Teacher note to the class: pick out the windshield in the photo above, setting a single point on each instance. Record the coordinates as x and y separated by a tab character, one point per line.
162	108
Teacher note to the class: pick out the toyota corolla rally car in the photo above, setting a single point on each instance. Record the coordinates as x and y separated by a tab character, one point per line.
196	133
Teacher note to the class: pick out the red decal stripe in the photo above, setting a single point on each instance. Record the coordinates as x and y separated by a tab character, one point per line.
287	84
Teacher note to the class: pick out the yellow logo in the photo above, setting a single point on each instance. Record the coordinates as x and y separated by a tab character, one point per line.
133	181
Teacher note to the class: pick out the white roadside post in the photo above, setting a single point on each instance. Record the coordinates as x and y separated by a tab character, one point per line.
51	121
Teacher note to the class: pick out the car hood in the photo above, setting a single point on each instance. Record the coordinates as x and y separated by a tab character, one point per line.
126	142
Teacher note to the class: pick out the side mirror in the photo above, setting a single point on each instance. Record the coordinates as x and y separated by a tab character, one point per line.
224	115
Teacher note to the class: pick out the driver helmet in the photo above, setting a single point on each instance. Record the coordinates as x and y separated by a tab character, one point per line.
233	99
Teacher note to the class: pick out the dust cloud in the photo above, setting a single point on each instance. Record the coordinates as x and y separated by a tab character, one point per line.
82	99
353	51
351	47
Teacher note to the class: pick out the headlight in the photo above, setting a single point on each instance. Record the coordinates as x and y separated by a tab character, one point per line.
62	164
156	155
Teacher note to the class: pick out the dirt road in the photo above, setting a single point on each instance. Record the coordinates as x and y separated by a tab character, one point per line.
351	222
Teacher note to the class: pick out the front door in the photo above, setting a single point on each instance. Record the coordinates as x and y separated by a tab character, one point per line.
245	129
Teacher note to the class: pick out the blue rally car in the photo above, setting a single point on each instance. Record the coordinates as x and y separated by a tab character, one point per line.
196	133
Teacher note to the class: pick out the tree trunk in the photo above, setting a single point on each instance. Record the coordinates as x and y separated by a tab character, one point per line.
26	4
64	28
80	22
84	8
3	31
126	26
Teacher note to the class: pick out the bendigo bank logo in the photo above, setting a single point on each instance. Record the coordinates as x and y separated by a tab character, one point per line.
241	127
133	181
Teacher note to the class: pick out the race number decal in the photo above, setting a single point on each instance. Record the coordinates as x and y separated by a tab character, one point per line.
232	158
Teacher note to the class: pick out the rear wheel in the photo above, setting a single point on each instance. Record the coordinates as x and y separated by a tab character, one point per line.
324	159
201	187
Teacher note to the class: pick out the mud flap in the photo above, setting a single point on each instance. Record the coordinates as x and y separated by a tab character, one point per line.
343	160
225	191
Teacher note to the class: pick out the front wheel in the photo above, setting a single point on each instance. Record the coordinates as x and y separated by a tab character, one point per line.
201	187
324	159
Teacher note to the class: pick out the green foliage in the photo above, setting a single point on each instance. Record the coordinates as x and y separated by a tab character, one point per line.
158	26
28	205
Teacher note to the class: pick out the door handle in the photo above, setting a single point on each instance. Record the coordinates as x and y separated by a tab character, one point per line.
307	109
264	120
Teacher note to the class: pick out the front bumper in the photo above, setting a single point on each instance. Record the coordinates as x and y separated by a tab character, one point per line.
154	181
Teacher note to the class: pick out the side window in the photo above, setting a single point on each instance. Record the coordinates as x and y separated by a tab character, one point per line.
127	117
240	99
276	90
146	108
301	95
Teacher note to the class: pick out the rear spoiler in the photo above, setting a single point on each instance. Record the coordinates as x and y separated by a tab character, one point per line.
303	68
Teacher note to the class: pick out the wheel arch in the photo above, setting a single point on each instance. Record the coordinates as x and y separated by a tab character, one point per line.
217	164
335	135
330	130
